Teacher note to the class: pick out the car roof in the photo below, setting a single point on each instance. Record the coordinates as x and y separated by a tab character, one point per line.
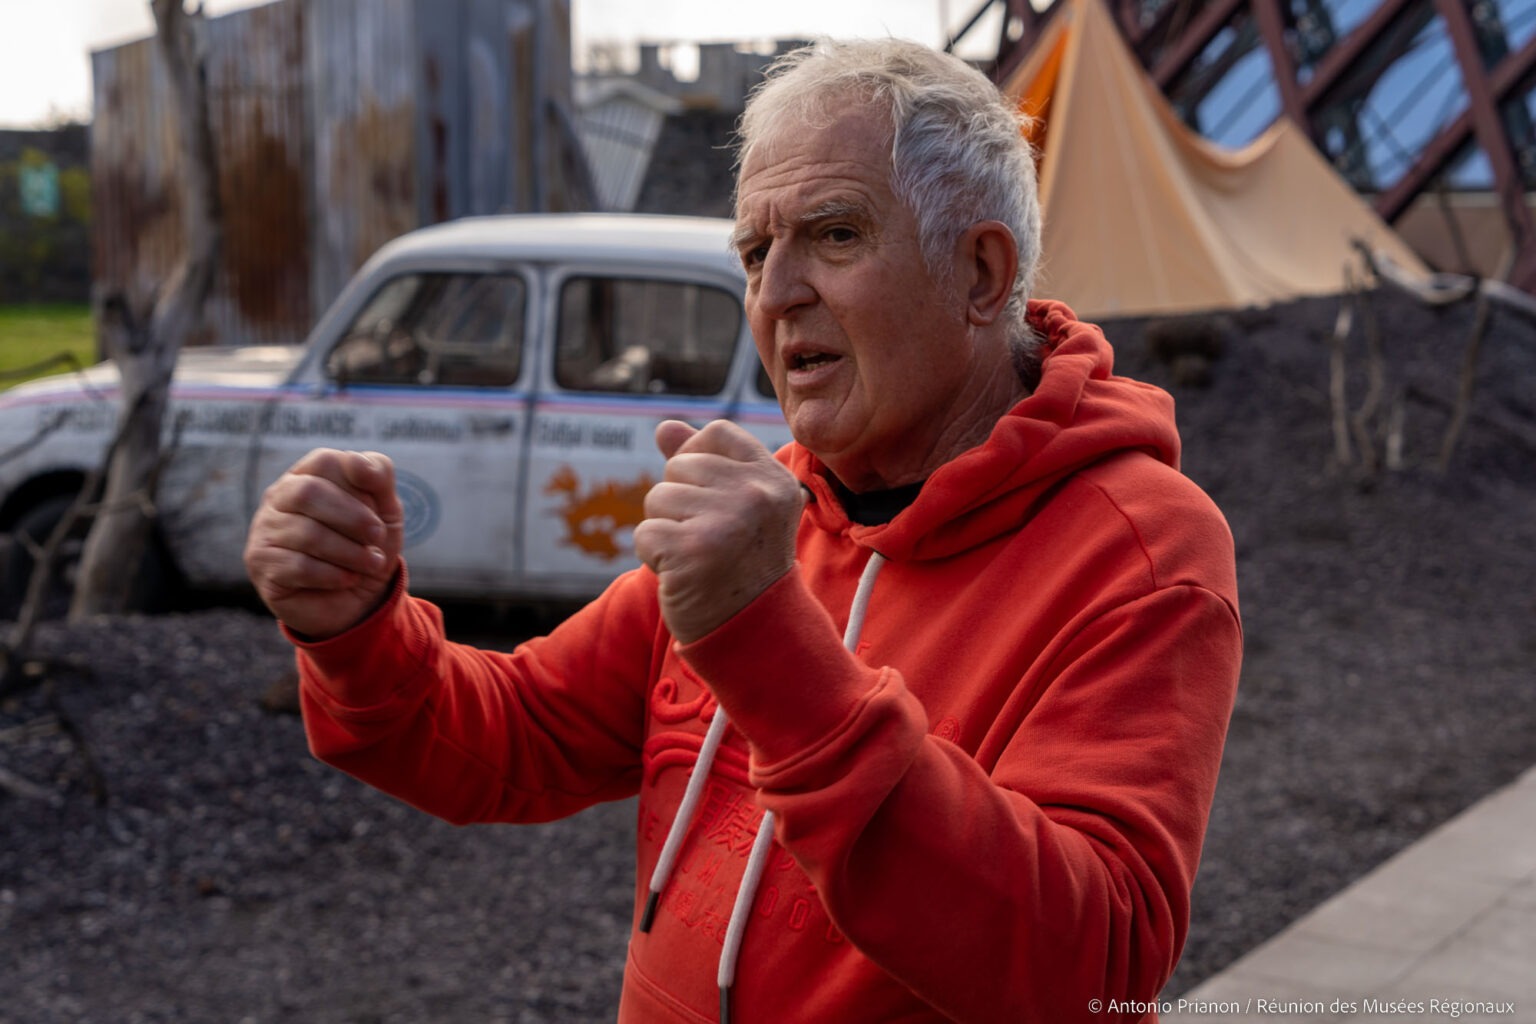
567	236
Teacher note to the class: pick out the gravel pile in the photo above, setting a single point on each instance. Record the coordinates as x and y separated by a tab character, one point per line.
229	877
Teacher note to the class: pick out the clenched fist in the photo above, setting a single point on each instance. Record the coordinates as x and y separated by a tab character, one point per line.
719	528
325	542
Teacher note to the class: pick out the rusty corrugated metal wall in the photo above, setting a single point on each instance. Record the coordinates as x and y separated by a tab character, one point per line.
339	124
426	111
256	100
363	104
254	65
136	214
501	71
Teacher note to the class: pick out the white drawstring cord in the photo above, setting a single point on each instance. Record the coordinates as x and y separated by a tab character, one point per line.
757	861
855	628
684	816
735	931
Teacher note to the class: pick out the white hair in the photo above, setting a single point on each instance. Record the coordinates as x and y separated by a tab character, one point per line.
958	150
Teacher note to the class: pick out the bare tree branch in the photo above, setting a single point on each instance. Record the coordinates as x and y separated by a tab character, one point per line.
1337	395
146	334
45	565
1469	361
18	668
38	369
37	438
18	786
1376	386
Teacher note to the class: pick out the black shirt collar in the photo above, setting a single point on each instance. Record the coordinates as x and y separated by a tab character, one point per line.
875	508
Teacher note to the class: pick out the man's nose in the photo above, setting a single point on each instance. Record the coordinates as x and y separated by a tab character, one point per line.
783	285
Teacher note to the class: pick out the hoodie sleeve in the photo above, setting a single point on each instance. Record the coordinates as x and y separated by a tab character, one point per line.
1059	876
473	735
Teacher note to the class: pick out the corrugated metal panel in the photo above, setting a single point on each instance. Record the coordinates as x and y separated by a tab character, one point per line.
619	136
136	212
561	166
339	124
527	184
254	61
363	106
256	101
446	107
493	74
619	123
439	147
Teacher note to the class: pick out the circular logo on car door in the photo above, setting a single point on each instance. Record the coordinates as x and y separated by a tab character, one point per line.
422	508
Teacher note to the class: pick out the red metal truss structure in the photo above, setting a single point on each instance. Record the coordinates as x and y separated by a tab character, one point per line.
1323	75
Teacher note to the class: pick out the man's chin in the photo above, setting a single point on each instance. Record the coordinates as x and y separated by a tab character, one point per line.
825	431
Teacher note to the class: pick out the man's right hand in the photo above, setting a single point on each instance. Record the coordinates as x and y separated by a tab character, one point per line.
325	542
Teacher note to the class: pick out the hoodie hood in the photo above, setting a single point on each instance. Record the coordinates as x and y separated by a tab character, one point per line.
1079	414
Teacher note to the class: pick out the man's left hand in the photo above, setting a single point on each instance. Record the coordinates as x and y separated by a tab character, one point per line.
720	527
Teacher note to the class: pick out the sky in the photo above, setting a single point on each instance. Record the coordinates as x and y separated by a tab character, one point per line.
45	45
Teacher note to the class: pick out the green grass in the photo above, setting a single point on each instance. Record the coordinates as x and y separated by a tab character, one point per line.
33	333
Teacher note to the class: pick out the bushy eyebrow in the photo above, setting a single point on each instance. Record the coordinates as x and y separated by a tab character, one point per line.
833	209
743	236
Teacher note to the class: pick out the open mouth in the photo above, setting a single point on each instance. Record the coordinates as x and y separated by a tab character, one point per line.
811	360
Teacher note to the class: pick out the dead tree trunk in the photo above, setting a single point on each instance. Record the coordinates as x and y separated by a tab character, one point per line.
1468	384
1338	397
144	334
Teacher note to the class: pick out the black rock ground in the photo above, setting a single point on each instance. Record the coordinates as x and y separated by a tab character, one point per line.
1388	684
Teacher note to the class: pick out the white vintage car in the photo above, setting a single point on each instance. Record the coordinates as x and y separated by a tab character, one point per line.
513	367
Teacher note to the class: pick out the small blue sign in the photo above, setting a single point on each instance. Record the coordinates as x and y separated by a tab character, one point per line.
39	185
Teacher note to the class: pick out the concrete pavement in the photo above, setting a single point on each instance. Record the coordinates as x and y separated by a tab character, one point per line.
1444	931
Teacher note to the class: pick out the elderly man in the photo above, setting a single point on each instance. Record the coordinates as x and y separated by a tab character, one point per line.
925	713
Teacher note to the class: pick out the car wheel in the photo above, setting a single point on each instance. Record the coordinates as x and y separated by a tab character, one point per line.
34	527
154	581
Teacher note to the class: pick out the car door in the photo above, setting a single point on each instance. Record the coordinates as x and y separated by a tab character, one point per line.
432	371
630	348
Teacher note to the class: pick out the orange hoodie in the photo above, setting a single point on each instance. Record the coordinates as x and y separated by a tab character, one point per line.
991	809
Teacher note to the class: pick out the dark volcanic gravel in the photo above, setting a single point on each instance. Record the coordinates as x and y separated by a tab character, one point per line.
229	877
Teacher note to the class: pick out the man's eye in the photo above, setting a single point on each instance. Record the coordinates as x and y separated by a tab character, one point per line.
840	235
754	256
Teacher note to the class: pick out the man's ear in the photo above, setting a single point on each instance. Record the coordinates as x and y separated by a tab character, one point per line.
989	262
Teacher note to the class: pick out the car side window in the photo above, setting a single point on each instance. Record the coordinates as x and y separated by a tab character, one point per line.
645	337
445	329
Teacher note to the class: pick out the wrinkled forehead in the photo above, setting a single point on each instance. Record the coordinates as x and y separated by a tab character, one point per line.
832	118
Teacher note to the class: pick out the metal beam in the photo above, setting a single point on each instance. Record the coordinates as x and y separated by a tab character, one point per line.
1128	14
986	6
1489	127
1010	52
1508	79
1177	59
1170	45
1271	21
1344	55
1141	37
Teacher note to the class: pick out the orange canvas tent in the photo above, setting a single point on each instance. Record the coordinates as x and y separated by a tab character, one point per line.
1143	216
